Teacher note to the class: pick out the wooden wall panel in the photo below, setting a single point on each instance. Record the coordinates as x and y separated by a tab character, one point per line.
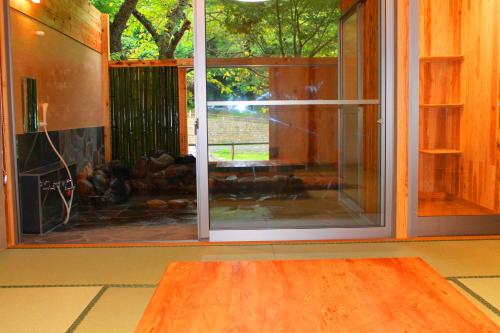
480	118
77	19
69	75
497	33
3	167
440	98
8	230
440	27
459	118
371	127
304	134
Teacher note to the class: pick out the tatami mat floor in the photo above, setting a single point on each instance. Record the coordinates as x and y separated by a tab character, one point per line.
107	289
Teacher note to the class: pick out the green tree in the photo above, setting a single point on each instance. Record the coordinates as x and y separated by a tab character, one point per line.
148	29
283	28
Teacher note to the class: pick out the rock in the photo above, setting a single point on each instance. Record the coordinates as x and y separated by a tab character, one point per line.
100	183
246	180
264	198
143	185
104	168
174	171
211	184
156	203
99	172
186	159
86	172
280	179
140	169
118	170
190	189
161	184
295	185
117	192
263	184
128	185
179	203
245	184
160	163
279	183
84	188
189	179
232	178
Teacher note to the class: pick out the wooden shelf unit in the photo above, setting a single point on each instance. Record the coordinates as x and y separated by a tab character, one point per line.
440	103
442	106
440	151
459	88
442	58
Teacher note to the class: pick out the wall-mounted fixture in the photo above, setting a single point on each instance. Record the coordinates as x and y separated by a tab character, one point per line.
29	105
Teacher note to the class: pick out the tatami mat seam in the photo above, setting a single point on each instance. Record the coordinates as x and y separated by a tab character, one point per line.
153	285
474	277
475	295
107	285
86	310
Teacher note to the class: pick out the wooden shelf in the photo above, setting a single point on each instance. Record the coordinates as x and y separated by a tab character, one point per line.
440	151
441	106
449	58
450	206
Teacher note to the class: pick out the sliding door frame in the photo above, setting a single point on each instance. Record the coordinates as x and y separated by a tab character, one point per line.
439	225
387	103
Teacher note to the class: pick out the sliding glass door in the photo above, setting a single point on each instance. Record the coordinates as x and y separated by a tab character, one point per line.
294	118
454	134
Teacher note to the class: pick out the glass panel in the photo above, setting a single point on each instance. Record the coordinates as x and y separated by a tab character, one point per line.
275	107
90	172
351	117
458	160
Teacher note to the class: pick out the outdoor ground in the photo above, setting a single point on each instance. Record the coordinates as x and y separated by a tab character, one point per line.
130	222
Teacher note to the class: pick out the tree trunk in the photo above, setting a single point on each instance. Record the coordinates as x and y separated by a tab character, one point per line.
119	24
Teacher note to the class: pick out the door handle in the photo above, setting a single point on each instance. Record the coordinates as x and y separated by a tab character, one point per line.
196	126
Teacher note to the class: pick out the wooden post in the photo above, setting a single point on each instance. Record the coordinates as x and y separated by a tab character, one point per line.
105	86
9	228
402	120
183	114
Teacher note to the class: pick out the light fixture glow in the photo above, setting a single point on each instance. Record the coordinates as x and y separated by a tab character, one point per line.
36	1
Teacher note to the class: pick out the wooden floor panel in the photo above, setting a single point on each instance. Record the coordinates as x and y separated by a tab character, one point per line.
352	295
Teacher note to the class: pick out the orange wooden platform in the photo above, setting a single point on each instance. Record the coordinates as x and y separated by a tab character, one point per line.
358	295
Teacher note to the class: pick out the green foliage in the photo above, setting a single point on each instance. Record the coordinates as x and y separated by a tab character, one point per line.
292	28
283	28
277	28
137	41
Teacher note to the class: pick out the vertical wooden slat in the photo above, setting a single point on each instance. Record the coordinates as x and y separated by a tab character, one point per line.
6	222
402	120
144	112
105	85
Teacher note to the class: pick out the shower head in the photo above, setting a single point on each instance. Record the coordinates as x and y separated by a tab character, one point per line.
45	107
